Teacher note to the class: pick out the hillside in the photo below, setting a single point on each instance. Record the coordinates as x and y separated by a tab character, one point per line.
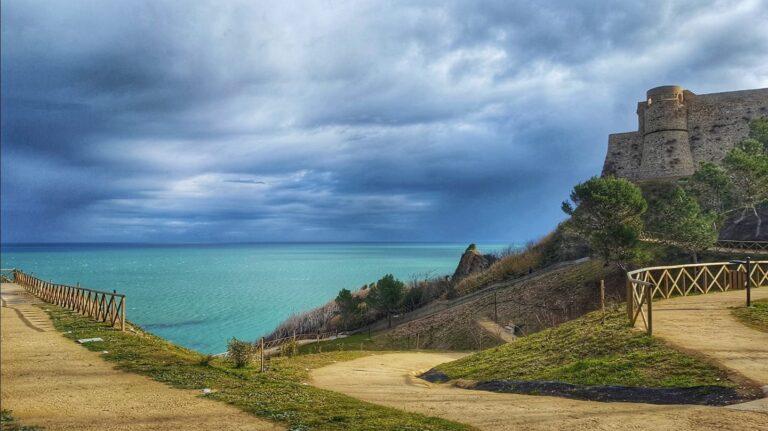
544	300
586	351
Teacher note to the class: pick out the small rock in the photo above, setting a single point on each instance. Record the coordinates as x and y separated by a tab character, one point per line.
206	391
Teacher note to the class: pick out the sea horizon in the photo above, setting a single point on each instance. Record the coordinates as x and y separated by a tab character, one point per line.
200	295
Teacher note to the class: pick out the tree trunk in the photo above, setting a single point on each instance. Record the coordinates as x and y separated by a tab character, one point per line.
743	214
389	320
759	223
695	257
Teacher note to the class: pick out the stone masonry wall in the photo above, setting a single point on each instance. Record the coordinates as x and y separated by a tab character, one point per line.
715	124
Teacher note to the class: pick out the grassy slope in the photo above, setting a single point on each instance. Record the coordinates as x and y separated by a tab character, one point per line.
756	316
584	351
280	395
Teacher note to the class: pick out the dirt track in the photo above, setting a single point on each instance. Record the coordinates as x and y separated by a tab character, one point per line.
704	324
390	380
49	381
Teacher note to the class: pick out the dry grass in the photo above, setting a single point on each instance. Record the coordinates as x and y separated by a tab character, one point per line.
514	264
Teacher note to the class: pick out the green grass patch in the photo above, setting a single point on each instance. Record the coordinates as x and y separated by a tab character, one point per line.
9	423
282	394
588	352
755	316
380	342
357	342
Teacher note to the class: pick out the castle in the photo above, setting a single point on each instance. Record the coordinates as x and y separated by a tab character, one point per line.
678	130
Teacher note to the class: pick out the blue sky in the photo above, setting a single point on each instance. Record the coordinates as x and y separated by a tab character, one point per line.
220	121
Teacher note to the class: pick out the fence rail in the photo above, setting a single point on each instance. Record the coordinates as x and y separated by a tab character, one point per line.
759	246
318	336
646	284
99	305
6	275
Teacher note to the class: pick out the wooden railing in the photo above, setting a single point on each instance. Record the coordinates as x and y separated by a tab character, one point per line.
759	246
99	305
646	284
318	336
6	275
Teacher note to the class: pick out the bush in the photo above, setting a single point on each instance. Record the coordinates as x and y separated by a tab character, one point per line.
291	348
206	360
239	352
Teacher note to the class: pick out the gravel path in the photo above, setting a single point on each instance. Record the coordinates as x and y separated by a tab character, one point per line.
49	381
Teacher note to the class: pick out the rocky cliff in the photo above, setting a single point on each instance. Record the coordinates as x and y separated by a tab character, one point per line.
472	261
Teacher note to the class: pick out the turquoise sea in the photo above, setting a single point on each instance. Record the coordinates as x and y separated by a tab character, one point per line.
201	295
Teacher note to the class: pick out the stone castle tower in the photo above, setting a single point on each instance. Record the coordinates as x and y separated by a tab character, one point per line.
678	130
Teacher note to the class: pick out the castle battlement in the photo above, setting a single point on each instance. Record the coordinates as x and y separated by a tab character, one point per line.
678	130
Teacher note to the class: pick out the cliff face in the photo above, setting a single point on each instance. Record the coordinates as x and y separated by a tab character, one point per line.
471	261
746	229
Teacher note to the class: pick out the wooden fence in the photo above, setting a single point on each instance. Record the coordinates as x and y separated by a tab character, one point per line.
318	336
646	284
758	246
6	275
101	306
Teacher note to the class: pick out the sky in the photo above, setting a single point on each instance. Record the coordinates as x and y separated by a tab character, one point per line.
249	121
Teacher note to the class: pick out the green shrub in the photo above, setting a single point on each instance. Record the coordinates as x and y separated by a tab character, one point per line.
291	348
206	360
239	352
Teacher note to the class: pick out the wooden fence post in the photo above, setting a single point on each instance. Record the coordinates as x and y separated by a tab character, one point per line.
649	300
602	298
261	353
630	300
122	315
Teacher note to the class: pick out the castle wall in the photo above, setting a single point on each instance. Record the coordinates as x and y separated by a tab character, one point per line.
719	121
678	130
624	153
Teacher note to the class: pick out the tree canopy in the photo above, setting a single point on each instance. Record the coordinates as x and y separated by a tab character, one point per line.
607	212
675	218
349	307
741	184
386	296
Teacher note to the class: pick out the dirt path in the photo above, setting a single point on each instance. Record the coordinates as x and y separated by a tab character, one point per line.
704	323
390	380
49	381
497	330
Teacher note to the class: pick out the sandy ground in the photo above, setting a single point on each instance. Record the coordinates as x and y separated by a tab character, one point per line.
390	380
49	381
703	323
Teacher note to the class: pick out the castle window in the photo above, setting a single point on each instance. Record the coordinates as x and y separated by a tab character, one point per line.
649	101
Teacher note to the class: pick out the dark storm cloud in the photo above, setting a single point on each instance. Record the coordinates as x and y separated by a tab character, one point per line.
329	120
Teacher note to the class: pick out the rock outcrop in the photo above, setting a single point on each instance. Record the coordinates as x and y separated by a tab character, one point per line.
472	261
